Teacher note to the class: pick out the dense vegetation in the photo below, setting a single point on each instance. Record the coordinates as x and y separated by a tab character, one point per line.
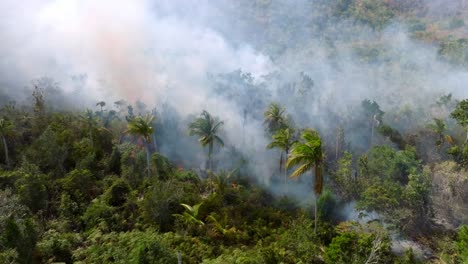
91	187
338	180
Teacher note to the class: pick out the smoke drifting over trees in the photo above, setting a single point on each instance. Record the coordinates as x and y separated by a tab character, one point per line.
317	63
377	81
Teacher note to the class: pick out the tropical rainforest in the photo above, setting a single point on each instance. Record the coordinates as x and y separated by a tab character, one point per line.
234	131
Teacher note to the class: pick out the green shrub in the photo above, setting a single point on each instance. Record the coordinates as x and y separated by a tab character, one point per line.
58	247
128	247
461	244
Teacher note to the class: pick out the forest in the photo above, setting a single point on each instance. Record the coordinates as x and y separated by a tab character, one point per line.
249	131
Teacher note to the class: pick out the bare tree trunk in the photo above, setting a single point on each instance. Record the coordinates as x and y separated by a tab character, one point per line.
91	137
179	258
374	256
286	170
210	152
466	140
5	146
315	222
154	142
285	174
337	145
148	158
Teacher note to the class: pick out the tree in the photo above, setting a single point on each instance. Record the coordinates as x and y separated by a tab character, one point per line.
142	127
206	127
90	123
120	104
461	244
461	115
375	115
439	127
283	139
6	128
393	135
340	141
344	178
274	117
308	154
31	187
107	119
101	104
18	231
376	14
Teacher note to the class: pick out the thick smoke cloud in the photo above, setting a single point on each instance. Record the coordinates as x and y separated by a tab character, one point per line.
175	52
125	49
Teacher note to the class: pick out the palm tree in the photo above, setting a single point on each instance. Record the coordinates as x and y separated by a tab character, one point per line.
206	127
5	128
283	139
141	127
308	154
274	117
101	104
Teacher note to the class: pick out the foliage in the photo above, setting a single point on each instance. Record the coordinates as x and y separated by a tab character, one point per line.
344	178
18	233
142	127
358	245
207	127
31	187
127	247
454	51
75	189
58	247
308	154
283	139
163	200
393	135
274	118
461	244
190	215
376	14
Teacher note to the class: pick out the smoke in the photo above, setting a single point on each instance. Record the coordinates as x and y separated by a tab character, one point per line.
181	52
124	48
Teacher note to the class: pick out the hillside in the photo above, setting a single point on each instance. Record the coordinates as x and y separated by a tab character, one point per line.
234	131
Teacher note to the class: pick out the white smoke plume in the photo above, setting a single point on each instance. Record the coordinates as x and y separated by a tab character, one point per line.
165	51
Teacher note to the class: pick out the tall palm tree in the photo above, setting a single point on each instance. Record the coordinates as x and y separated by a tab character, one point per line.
142	127
283	139
308	155
5	128
206	127
274	118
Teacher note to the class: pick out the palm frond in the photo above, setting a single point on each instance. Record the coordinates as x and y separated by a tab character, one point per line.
301	170
219	140
187	207
206	128
141	126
